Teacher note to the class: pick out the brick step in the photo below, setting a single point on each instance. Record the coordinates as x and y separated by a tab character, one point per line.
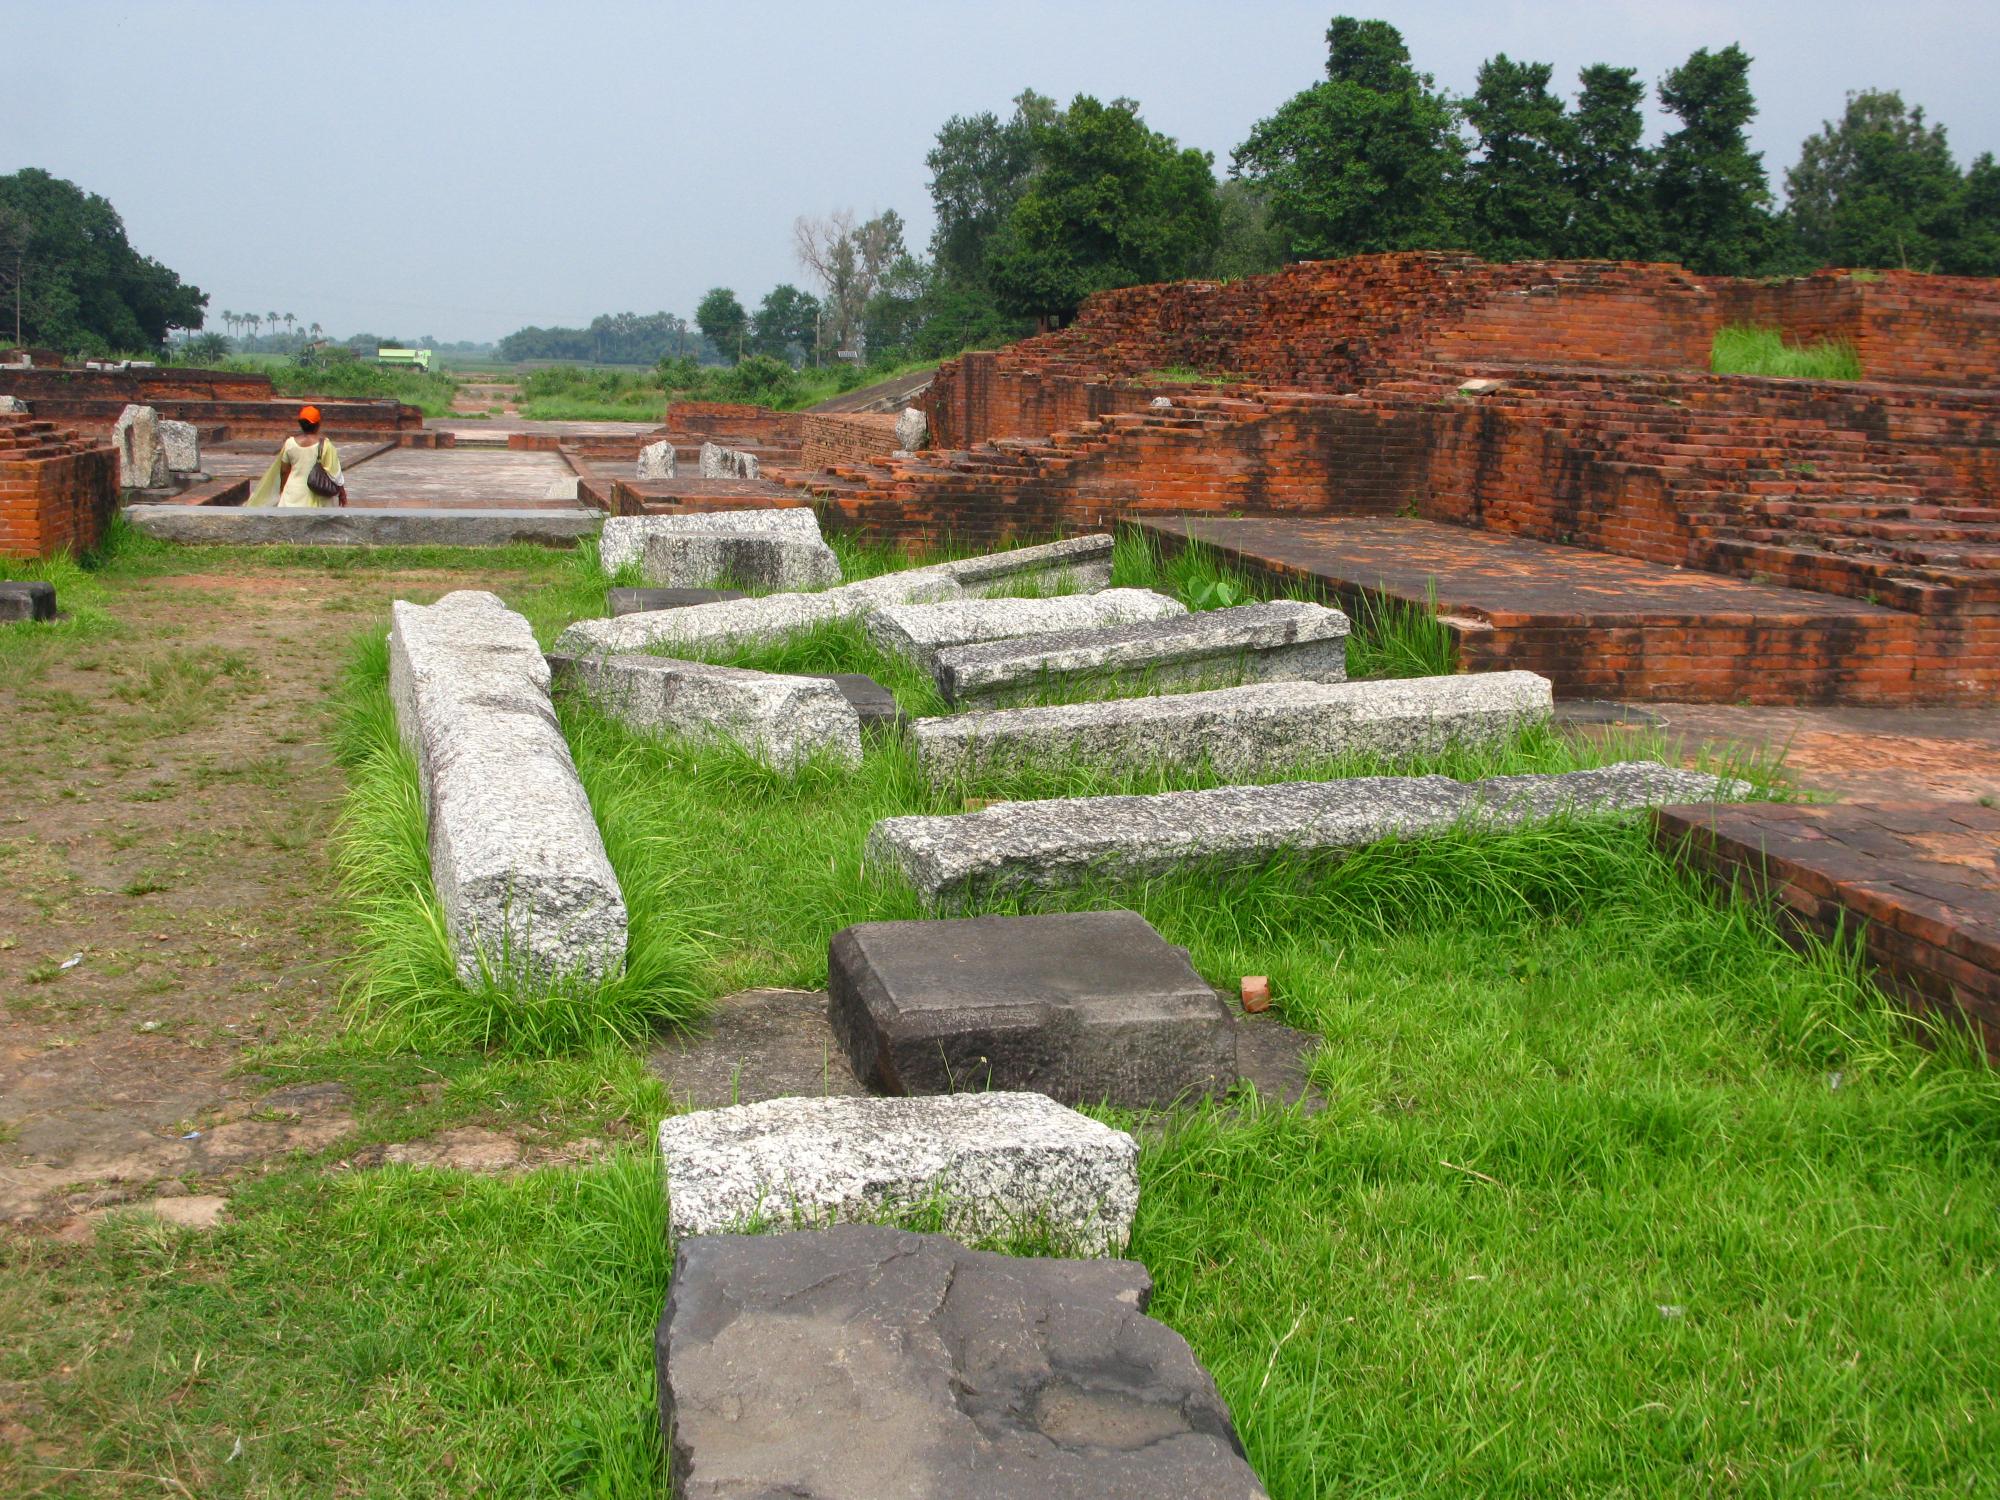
1880	580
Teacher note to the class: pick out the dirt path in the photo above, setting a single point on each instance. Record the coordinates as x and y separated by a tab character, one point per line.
166	793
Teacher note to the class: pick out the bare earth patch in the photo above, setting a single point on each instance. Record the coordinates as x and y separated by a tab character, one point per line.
166	795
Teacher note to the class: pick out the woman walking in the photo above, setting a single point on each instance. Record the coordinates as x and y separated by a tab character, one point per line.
306	470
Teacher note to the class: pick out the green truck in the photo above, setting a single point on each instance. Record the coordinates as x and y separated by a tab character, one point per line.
421	358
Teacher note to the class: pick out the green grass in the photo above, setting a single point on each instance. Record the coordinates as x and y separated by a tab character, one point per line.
359	380
1613	1192
1741	349
584	394
1189	375
406	992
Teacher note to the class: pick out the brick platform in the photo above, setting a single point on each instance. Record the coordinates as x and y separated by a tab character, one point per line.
1597	625
1919	881
57	489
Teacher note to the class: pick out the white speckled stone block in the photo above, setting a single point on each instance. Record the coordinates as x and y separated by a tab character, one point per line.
1240	731
1070	841
782	720
656	461
623	539
1284	640
733	623
516	857
920	631
1082	563
993	1163
705	559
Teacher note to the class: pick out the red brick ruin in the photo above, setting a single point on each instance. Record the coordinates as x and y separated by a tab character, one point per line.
1795	541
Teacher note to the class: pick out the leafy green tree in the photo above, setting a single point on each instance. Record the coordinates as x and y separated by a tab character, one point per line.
786	318
1111	203
1878	187
1714	201
1975	243
1367	160
1247	243
1609	170
1518	199
723	322
81	286
979	167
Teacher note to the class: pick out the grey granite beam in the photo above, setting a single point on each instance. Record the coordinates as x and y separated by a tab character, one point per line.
1247	731
1069	841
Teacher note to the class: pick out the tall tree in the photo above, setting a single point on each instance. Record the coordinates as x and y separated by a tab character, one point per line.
787	317
1518	200
1878	187
722	319
1247	243
1975	243
82	285
1367	160
978	167
1111	203
1714	200
1609	170
849	260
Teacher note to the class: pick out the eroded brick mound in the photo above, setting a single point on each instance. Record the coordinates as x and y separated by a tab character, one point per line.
57	489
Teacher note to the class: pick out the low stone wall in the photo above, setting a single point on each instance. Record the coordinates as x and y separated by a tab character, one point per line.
57	489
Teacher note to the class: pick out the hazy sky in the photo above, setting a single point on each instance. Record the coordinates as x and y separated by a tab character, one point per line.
459	169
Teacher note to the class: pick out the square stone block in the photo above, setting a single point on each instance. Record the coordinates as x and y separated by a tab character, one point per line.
27	601
1085	1007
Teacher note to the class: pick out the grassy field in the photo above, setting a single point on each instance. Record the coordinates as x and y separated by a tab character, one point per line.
1743	350
576	394
1613	1192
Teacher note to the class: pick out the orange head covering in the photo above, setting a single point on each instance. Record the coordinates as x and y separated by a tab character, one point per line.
309	414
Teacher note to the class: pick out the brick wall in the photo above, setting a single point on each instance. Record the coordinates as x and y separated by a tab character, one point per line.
733	424
847	437
57	490
141	387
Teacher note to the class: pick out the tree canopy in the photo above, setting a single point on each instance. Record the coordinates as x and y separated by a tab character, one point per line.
723	322
1878	187
81	285
1367	160
1110	203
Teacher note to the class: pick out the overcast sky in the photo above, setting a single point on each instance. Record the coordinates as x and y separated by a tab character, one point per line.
459	169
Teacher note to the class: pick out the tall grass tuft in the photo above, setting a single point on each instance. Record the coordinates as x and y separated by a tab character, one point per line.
1741	349
406	991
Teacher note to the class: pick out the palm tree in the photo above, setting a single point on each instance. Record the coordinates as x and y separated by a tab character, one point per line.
290	323
315	330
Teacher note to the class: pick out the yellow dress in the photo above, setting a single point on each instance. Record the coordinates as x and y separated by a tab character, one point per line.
301	456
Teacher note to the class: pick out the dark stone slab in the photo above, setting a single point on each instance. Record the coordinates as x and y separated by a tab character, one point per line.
1086	1007
641	601
27	601
1277	1059
757	1045
862	1362
874	703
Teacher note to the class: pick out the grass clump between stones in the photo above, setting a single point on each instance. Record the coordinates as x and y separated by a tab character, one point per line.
1741	349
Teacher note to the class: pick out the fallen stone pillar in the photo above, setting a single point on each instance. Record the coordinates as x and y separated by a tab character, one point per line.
782	721
718	462
862	1362
920	631
1087	1007
999	1165
1283	640
360	526
639	600
35	600
516	858
736	623
624	538
705	559
656	461
1243	731
1070	841
1080	563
